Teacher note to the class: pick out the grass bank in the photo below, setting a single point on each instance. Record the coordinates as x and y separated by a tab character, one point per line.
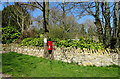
19	65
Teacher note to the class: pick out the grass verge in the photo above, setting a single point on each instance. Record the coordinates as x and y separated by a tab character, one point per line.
19	65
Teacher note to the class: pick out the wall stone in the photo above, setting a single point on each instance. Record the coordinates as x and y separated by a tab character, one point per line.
71	55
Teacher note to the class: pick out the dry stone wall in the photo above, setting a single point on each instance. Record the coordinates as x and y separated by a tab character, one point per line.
71	55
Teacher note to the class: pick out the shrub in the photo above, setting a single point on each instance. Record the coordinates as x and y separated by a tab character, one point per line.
9	34
89	44
32	42
82	43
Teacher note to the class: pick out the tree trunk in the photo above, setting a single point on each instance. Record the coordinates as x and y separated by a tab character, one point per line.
116	27
98	23
22	25
46	20
118	42
107	34
63	15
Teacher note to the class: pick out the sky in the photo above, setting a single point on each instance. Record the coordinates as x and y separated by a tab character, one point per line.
81	20
1	6
57	0
37	13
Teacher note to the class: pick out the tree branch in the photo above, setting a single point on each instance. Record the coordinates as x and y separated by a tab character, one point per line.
32	6
39	5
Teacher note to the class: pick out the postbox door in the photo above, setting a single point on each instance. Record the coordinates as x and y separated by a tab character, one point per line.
49	45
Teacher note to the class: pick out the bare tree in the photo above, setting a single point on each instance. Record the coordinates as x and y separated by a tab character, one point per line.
17	16
46	21
44	7
103	14
116	23
21	18
66	8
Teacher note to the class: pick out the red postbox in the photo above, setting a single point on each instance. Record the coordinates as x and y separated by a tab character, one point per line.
50	47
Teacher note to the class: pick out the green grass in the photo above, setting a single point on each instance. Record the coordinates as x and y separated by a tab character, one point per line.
19	65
